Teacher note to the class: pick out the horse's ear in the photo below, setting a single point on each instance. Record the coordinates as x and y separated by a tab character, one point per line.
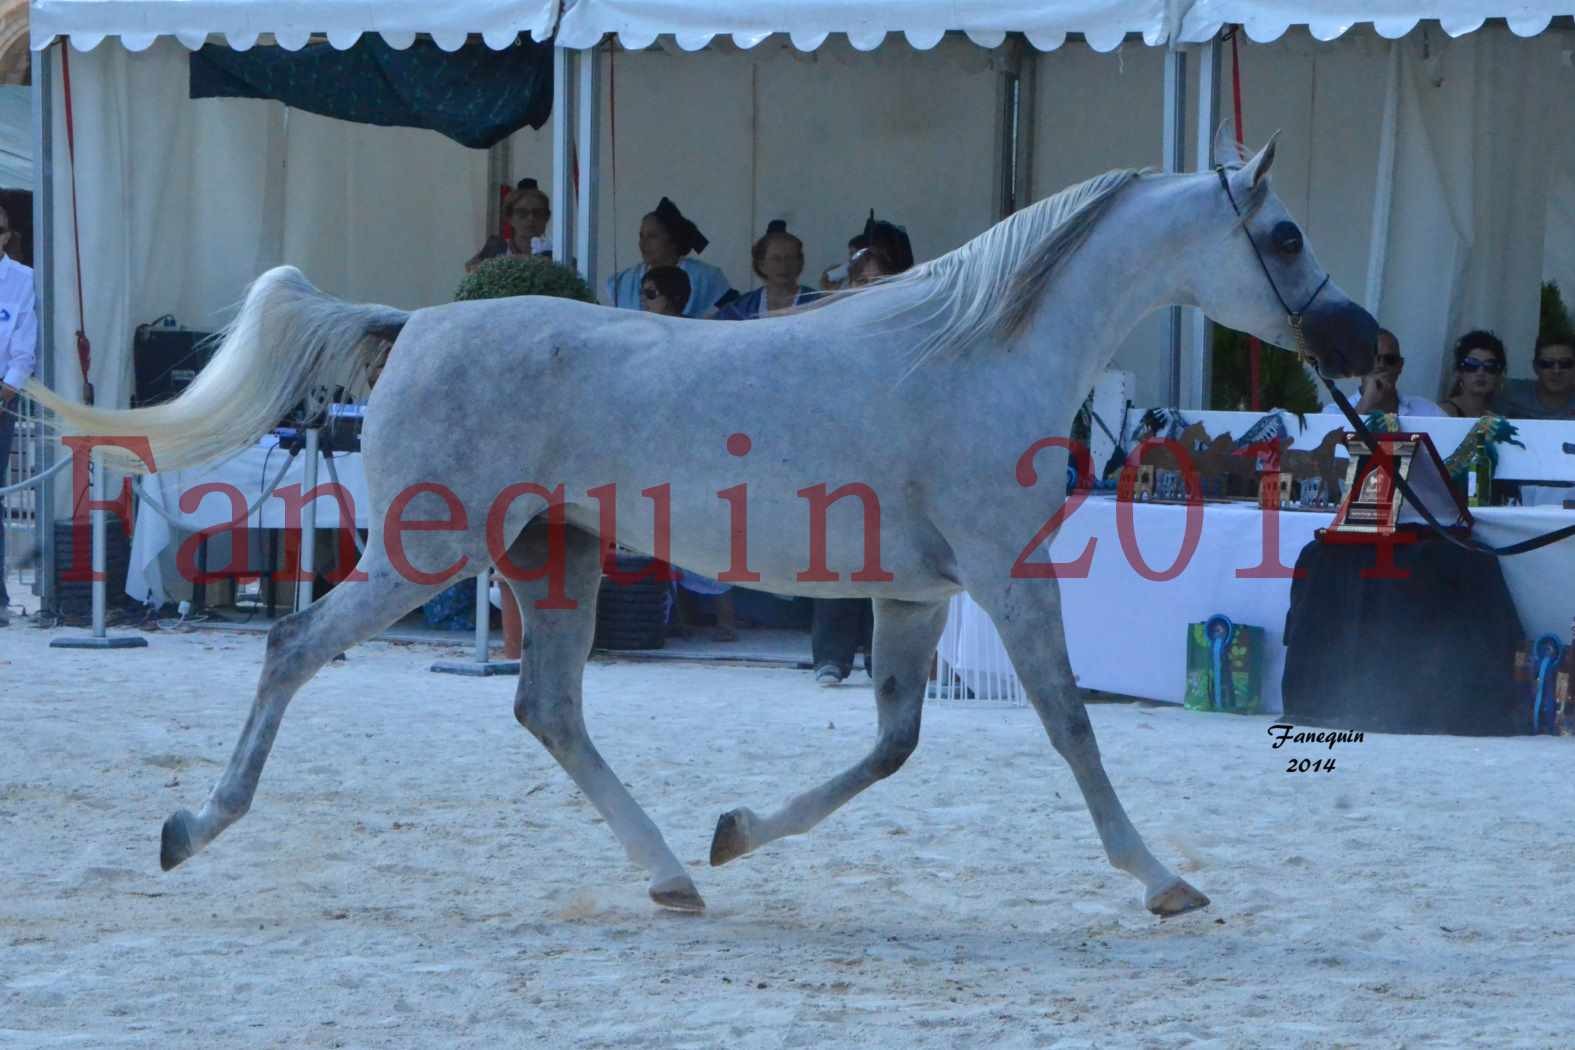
1227	150
1257	168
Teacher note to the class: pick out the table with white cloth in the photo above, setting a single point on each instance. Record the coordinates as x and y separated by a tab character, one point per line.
1126	633
155	542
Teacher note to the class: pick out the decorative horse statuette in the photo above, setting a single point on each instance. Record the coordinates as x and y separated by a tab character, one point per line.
600	414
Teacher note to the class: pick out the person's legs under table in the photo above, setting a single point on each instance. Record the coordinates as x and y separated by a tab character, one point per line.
841	625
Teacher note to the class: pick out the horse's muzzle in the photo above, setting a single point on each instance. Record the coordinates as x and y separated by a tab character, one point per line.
1342	337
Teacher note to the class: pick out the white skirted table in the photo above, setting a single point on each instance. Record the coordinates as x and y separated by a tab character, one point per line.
1126	632
156	540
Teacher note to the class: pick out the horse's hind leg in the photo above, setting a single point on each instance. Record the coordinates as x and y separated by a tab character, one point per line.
906	634
1028	618
549	702
298	646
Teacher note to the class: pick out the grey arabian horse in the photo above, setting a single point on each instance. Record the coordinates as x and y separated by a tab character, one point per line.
926	397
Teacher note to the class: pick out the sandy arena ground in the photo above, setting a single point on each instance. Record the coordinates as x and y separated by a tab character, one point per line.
416	872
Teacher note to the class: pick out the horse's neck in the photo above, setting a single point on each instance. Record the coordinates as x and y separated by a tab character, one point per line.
1120	275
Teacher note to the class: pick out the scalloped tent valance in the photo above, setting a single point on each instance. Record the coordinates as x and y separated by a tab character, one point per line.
1268	20
1104	24
290	22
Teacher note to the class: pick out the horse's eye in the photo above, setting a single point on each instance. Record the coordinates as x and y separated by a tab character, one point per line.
1287	238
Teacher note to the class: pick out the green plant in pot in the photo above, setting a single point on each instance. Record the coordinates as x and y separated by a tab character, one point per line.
1283	381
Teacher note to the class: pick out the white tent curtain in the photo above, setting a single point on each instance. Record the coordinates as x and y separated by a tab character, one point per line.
183	203
1558	256
16	137
1469	182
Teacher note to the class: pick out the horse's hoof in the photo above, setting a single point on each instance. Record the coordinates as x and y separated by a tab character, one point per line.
678	893
731	840
175	843
1178	898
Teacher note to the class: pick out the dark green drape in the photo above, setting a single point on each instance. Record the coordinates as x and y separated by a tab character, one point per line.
476	96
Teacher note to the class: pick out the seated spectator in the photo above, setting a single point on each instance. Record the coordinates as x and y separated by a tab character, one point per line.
779	262
842	626
664	290
666	239
1479	373
1380	387
887	252
834	278
1553	396
527	211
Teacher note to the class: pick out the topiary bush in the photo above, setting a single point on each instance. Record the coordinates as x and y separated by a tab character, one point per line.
510	275
1555	320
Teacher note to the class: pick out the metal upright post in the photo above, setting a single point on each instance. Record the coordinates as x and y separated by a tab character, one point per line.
45	586
481	666
563	153
1195	392
1175	148
587	112
100	638
304	588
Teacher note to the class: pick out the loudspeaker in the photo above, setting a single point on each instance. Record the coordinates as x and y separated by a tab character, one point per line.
166	359
74	598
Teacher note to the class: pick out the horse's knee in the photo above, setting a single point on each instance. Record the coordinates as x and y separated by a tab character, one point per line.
547	717
285	655
893	750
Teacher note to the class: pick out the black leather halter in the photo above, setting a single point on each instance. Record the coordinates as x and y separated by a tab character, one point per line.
1385	462
1295	316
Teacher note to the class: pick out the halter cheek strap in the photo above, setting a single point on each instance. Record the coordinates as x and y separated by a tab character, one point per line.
1294	316
1360	428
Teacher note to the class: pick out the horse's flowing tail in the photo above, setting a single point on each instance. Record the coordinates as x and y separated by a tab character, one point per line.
288	340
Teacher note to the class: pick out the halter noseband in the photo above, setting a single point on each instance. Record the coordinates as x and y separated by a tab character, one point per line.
1468	543
1294	316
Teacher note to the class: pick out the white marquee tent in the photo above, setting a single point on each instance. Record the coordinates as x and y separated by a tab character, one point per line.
1418	156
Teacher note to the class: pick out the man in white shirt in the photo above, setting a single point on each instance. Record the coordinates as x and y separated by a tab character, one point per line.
18	353
1380	390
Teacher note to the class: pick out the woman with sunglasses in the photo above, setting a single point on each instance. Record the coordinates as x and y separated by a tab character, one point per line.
1479	375
667	238
666	290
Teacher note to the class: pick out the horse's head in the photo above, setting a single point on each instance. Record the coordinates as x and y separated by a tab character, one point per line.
1260	276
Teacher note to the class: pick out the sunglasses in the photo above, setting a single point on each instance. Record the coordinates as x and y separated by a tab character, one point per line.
530	213
650	293
1472	364
1389	359
1562	364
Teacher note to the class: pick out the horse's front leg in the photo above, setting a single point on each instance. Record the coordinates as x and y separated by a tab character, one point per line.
1027	613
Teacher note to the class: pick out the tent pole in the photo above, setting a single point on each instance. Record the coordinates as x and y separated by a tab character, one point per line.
562	155
44	584
1175	152
307	558
1196	394
588	113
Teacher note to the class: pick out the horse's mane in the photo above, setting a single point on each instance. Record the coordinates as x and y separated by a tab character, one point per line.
990	286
